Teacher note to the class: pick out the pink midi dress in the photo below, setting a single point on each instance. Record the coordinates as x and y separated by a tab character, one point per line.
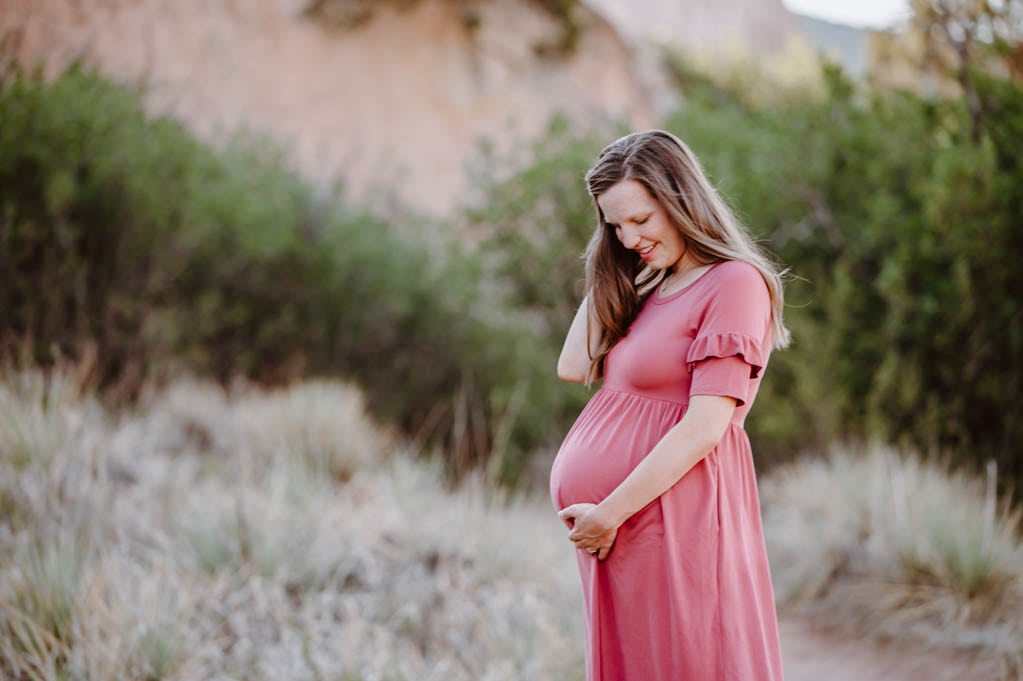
685	594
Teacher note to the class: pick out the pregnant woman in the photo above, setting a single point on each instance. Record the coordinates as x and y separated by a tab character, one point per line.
655	480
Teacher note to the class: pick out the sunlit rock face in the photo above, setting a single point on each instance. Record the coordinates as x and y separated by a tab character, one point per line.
393	103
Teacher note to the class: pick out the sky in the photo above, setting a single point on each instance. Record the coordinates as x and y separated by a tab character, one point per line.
873	13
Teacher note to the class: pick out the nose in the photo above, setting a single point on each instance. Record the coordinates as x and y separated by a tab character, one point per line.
629	237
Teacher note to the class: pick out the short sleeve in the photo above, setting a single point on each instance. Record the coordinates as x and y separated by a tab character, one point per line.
733	336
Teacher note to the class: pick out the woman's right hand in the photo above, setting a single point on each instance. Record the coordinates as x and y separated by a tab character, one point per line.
592	530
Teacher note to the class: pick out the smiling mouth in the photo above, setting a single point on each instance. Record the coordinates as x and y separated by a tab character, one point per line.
646	251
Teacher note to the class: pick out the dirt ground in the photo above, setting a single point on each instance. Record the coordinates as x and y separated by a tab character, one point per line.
813	655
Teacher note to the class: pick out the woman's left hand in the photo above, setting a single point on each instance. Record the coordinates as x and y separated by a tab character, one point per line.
592	528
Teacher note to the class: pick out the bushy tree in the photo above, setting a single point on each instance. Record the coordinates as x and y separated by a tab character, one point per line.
900	231
128	236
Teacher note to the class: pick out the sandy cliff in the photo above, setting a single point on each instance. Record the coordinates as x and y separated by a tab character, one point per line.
398	103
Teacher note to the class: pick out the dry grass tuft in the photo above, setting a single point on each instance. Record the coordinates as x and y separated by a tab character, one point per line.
265	536
889	545
322	424
41	415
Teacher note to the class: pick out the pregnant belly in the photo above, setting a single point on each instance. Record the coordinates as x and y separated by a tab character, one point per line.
611	436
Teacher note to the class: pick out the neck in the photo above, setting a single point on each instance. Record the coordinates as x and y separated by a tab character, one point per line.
679	275
680	268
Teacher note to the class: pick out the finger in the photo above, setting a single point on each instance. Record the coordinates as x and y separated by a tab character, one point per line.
578	535
609	544
582	532
569	512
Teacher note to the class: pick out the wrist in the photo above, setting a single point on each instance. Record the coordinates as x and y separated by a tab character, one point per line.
613	511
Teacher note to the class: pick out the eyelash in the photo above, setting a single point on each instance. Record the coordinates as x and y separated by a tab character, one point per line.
638	222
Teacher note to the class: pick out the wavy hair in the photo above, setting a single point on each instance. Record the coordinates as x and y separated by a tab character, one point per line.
617	280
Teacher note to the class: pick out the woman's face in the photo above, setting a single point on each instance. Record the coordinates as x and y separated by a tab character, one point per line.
641	224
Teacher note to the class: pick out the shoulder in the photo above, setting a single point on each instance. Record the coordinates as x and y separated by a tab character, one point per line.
733	277
737	297
735	317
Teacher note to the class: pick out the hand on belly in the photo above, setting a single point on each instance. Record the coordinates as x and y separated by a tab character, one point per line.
591	530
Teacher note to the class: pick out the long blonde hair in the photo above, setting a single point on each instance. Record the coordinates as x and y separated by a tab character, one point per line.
616	279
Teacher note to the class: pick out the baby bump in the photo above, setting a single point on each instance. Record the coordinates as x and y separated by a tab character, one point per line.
612	435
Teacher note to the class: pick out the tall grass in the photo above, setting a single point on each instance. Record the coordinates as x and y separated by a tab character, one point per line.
271	535
886	544
280	535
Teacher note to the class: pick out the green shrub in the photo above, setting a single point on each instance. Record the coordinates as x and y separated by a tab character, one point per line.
902	234
127	235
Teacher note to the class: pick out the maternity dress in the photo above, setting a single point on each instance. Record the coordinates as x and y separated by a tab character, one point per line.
685	594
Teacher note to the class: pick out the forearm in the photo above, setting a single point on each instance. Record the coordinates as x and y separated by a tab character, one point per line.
574	361
681	448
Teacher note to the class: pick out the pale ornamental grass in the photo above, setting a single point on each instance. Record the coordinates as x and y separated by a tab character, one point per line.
257	535
889	545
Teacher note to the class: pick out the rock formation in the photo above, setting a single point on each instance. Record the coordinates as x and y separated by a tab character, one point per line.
389	97
397	104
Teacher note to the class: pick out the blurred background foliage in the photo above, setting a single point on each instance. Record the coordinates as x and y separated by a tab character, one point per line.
126	240
128	245
901	232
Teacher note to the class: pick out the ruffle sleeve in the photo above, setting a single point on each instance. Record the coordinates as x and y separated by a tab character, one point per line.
733	337
727	344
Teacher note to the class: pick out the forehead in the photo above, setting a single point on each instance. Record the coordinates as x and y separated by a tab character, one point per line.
625	200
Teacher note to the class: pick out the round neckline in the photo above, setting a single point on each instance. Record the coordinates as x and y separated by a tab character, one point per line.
659	299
